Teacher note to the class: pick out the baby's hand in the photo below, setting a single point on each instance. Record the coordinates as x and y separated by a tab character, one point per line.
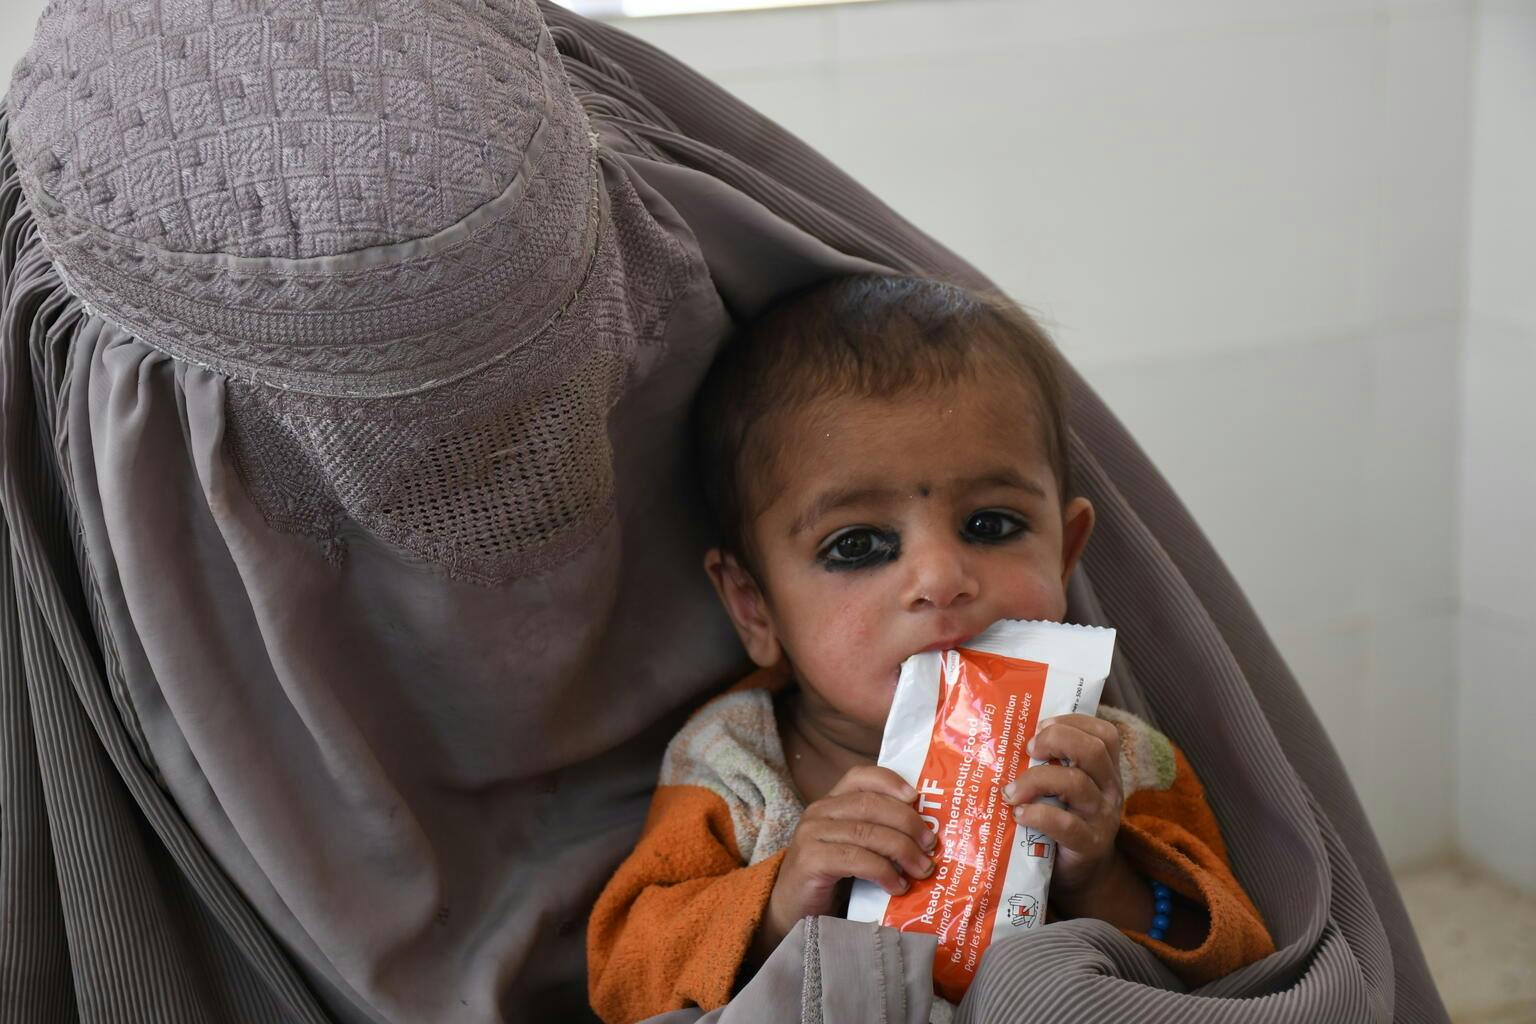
866	827
1088	783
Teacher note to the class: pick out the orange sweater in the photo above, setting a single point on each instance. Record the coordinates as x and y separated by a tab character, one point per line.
674	924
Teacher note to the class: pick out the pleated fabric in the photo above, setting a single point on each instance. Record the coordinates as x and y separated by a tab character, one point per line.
113	910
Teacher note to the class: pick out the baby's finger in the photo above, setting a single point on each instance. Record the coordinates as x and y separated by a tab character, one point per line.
876	808
874	779
1087	743
1069	831
1071	785
845	860
895	846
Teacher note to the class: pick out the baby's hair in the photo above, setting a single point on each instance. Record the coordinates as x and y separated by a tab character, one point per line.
869	336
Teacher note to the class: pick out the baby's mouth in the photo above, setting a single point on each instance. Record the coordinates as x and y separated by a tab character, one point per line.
947	645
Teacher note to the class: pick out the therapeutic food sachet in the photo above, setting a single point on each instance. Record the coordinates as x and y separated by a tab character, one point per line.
957	733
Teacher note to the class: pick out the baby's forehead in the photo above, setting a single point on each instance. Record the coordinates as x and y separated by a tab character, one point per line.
999	411
916	443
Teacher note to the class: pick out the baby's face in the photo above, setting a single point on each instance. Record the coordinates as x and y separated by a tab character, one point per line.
905	525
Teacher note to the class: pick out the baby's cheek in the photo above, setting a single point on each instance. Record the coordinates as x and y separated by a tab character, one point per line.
858	623
1036	597
835	625
847	646
845	639
831	636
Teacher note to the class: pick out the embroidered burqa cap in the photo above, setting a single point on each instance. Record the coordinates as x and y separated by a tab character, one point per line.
349	582
191	170
330	202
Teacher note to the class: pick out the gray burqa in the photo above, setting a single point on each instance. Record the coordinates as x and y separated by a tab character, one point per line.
350	551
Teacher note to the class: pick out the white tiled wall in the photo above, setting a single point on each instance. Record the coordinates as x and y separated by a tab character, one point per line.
1496	806
1245	223
17	19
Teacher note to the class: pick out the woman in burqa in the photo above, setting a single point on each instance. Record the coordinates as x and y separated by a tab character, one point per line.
350	548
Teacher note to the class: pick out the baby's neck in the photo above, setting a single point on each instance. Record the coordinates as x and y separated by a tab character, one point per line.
820	746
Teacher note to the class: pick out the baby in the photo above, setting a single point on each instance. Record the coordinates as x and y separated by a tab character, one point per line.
887	459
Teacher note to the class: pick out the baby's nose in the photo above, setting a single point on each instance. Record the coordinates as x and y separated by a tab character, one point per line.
941	578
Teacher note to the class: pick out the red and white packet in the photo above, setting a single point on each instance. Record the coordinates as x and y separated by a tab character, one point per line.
957	733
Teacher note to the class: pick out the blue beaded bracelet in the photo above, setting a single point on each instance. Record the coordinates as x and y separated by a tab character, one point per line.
1162	910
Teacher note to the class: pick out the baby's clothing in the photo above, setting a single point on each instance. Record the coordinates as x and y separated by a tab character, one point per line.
674	924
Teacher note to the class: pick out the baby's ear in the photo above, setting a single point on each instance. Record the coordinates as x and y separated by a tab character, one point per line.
745	604
1076	527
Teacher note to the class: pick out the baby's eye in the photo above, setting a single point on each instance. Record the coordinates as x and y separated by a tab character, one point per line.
857	547
991	525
